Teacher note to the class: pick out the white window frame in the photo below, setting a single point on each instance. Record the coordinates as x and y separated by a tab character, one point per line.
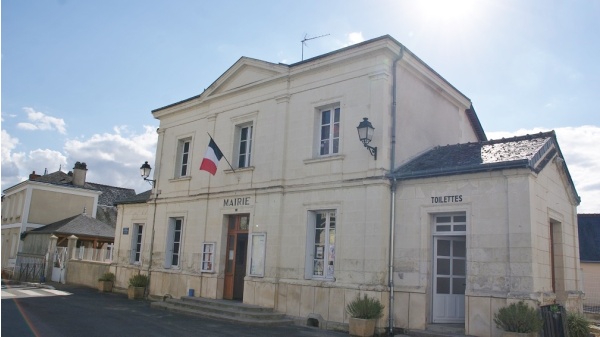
452	226
137	243
184	157
207	265
173	243
328	143
243	147
324	252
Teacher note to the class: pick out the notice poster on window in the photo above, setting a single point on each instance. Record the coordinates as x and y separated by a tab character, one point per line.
257	258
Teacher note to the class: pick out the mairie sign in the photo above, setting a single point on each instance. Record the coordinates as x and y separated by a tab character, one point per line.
239	201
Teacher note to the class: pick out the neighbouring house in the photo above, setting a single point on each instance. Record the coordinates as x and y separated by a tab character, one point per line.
53	199
589	255
429	216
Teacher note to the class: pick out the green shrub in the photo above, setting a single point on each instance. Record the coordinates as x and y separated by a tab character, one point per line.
107	277
578	325
365	308
138	280
518	317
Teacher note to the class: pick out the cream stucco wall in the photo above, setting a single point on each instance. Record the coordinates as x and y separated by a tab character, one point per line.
46	210
591	282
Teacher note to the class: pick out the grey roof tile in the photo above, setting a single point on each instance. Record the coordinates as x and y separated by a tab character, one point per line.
109	195
523	151
78	225
136	199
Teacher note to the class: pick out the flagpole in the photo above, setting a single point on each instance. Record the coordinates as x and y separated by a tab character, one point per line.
222	153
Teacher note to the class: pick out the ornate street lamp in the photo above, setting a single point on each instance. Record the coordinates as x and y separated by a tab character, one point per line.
365	134
145	172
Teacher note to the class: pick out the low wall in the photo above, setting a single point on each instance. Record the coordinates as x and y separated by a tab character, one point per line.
85	272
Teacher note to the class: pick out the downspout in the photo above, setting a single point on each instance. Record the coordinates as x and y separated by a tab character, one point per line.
156	193
393	185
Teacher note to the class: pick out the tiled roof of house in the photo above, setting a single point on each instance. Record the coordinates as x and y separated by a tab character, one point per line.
589	237
78	225
529	151
107	214
109	193
136	199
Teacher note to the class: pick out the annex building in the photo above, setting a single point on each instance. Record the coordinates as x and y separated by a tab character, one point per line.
438	222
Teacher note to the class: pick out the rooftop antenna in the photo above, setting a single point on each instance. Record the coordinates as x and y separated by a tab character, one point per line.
306	38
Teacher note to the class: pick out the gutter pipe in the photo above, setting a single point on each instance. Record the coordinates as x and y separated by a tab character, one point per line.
393	185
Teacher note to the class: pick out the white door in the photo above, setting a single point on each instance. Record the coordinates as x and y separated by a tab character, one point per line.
449	279
58	270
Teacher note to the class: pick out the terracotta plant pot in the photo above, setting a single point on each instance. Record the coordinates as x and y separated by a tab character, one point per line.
105	286
362	327
134	293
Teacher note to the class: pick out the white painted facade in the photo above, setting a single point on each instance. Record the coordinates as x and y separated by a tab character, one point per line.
290	188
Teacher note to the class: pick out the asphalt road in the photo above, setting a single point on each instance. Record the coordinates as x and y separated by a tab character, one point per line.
87	312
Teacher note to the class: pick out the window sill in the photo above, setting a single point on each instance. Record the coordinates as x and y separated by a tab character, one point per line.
180	179
324	159
241	169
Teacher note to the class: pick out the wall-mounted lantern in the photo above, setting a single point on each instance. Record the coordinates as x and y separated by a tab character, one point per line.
145	172
365	134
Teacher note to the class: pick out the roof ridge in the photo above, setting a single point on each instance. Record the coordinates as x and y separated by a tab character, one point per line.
528	136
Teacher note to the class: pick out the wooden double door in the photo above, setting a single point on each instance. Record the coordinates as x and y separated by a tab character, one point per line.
237	250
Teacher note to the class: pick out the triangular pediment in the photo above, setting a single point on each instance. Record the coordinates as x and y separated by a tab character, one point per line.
244	72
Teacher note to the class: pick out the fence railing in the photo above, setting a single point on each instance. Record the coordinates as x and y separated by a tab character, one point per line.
30	268
104	254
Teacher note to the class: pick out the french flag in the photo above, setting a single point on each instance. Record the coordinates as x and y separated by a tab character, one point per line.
211	158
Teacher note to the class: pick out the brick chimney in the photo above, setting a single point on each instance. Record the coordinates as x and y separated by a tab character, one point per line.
79	173
34	176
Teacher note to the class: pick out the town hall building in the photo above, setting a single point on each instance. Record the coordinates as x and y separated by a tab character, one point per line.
423	212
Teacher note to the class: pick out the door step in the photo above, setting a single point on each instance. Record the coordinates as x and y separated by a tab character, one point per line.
224	310
439	330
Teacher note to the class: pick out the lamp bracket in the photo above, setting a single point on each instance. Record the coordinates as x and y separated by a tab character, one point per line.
372	150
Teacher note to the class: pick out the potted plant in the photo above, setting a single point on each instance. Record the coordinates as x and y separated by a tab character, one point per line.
106	281
518	319
137	286
578	325
364	313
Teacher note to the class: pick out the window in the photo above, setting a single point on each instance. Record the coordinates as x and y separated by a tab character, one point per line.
208	257
173	242
183	158
136	243
329	131
321	245
450	223
243	143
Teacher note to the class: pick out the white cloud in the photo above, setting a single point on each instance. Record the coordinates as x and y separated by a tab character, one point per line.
112	158
40	121
115	158
579	146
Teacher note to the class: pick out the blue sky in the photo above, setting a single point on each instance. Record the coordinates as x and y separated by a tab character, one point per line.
80	78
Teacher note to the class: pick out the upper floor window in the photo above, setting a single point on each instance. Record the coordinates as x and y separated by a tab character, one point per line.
243	143
183	158
329	131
